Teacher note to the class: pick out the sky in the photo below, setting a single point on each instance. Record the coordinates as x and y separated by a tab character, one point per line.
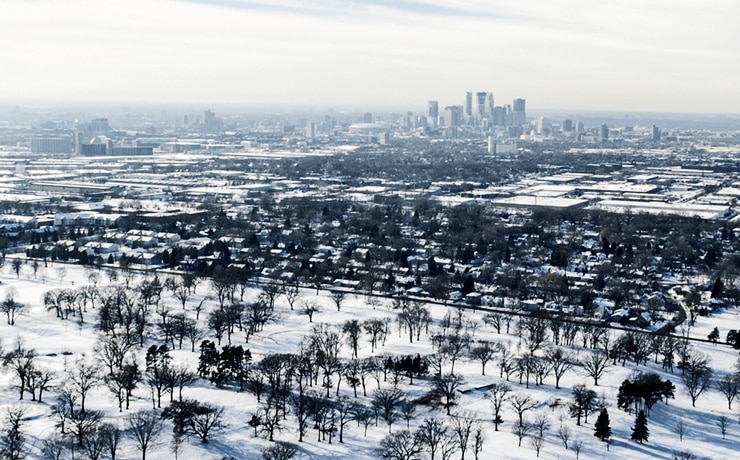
622	55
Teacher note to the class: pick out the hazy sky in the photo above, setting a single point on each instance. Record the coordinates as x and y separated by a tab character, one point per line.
635	55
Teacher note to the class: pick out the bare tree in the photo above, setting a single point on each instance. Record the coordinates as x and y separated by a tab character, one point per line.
478	440
388	402
338	298
537	440
12	438
564	433
560	363
464	425
498	394
82	378
94	444
433	433
21	361
144	428
10	306
111	436
291	292
696	375
376	328
722	423
453	346
344	408
309	307
680	429
40	379
401	445
82	424
353	329
483	353
279	451
446	386
204	420
53	448
534	332
595	365
521	431
577	447
729	386
522	403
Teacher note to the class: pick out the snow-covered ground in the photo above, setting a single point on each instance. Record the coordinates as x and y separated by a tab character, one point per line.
60	343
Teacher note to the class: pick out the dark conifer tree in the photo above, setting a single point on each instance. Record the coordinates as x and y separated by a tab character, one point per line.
602	430
640	431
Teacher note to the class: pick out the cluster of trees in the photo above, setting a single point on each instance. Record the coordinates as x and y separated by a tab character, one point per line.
306	384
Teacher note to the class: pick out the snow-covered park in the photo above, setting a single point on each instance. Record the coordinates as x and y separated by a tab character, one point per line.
62	346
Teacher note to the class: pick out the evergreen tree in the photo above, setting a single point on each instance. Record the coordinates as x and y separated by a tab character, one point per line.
602	430
717	288
640	431
714	335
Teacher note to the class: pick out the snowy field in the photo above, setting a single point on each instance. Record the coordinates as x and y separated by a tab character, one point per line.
59	343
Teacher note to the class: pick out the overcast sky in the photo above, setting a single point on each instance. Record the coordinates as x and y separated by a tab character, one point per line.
626	55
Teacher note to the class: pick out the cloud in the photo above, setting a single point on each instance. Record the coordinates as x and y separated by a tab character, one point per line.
570	53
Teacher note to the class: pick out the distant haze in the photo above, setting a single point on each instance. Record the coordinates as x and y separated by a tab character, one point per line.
630	55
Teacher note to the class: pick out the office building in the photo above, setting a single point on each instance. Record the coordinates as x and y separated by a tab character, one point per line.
433	110
211	124
468	105
519	115
453	116
52	145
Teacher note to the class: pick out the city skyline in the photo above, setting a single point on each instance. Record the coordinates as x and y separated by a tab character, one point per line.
657	57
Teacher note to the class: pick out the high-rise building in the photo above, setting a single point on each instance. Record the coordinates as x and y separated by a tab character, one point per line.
367	117
499	116
488	107
656	133
480	99
519	116
453	116
604	132
567	125
468	104
310	130
433	110
211	124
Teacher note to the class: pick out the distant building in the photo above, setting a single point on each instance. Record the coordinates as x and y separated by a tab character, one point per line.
543	126
367	117
131	151
480	99
310	130
433	110
656	134
604	132
52	145
453	116
484	105
519	112
468	104
93	150
211	124
567	126
94	130
500	116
